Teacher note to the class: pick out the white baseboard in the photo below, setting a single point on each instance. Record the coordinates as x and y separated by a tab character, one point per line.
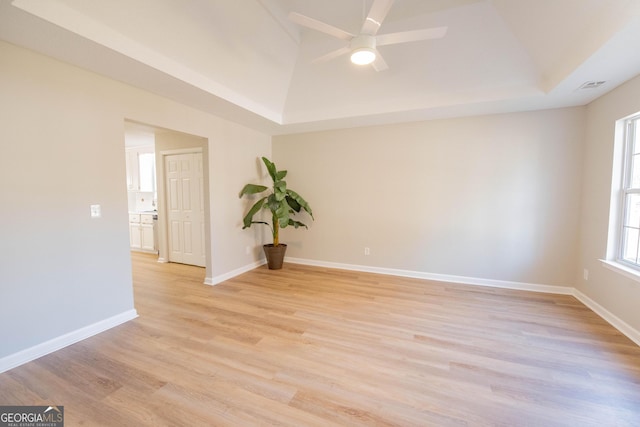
233	273
564	290
32	353
615	321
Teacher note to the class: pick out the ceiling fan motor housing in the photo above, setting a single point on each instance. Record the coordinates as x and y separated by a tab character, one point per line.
363	41
363	49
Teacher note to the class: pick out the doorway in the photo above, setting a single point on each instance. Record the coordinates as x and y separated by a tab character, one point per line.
170	143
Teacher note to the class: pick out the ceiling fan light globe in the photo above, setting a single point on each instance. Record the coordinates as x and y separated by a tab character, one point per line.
363	56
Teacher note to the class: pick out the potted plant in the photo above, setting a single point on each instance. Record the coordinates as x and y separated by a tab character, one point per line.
283	203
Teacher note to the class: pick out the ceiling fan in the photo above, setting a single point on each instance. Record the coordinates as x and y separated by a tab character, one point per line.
363	46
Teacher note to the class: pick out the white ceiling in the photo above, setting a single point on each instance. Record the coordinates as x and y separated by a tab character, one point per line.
245	61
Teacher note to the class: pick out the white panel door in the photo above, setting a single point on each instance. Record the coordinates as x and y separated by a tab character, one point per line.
185	208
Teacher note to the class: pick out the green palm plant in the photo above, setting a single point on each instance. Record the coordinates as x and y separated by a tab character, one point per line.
282	202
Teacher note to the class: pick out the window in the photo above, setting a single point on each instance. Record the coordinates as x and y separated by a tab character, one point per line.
629	240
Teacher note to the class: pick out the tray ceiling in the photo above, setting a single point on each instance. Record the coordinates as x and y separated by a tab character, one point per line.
245	61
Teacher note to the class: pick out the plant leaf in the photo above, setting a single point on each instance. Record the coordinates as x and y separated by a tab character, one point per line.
302	202
270	167
273	203
280	175
248	218
280	190
294	205
282	212
252	189
296	224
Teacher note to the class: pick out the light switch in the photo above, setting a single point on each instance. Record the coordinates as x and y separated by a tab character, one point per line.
96	211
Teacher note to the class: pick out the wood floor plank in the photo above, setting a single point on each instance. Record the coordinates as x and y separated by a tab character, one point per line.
310	346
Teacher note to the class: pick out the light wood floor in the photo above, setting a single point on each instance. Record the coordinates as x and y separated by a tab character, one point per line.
308	346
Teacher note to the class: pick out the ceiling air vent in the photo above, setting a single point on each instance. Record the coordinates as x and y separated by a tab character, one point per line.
592	85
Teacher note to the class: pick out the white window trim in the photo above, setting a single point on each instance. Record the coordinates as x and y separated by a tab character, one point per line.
622	269
613	259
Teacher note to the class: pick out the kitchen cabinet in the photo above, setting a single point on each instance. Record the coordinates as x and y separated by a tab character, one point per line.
147	233
142	232
132	169
141	169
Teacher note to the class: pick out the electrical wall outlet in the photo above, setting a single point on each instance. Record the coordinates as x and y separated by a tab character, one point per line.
585	274
366	251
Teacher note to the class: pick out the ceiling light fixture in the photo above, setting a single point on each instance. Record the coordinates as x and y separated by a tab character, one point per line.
363	49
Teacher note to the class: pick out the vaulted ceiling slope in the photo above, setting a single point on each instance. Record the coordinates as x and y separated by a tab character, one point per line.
246	61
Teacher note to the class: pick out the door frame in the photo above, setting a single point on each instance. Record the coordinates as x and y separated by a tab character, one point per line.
163	225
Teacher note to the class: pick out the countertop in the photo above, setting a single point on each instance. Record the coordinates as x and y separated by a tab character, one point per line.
154	213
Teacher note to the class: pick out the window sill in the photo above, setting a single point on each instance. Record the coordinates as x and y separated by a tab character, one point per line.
621	269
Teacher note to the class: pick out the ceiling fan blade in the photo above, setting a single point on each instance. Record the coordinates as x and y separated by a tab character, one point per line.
379	64
333	54
411	36
377	13
314	24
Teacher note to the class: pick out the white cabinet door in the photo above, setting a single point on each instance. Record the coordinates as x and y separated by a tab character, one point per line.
133	182
141	169
135	236
147	172
148	241
142	231
147	230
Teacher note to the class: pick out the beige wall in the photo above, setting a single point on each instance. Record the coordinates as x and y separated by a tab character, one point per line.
616	293
62	139
494	197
